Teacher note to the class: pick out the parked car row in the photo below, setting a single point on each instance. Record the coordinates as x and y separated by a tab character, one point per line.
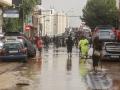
111	47
13	50
16	46
105	33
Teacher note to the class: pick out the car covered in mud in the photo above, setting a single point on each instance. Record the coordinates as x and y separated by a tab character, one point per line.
13	50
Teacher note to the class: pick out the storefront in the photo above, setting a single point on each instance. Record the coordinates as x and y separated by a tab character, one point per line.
3	3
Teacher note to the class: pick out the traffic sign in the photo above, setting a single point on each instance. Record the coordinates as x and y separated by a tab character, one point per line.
27	27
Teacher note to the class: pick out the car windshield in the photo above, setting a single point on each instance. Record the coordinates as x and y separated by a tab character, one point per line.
106	29
104	33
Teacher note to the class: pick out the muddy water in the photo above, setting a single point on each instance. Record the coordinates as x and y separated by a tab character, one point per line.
54	71
113	70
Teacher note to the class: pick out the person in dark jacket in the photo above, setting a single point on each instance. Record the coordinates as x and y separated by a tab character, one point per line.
69	43
97	47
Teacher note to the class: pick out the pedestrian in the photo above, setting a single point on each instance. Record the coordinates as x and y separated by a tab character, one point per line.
69	43
39	45
97	47
46	41
83	46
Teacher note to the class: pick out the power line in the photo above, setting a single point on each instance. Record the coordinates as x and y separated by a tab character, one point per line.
73	16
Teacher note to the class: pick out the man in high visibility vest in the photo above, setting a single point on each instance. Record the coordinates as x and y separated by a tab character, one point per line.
84	46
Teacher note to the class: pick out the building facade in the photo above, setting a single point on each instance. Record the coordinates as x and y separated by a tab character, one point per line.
54	23
118	3
61	22
47	20
3	3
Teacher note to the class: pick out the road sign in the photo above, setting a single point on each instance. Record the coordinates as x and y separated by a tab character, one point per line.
27	28
11	13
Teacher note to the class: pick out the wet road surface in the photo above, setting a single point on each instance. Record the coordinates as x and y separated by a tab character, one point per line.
55	71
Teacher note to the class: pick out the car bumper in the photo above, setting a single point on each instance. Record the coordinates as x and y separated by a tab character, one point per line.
111	56
13	57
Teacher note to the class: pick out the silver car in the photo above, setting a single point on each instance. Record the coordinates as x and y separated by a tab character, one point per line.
111	50
105	33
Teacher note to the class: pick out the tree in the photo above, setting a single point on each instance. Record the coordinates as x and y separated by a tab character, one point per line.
100	12
25	8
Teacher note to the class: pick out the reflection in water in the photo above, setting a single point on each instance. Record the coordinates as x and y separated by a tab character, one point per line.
83	68
46	49
33	68
53	74
30	75
55	52
69	64
116	85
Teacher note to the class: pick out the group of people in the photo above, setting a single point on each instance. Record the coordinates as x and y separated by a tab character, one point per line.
84	47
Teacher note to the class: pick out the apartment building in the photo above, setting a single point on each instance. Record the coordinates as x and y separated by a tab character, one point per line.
53	23
60	23
47	20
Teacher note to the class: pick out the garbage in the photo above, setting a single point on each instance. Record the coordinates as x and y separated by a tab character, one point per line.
23	81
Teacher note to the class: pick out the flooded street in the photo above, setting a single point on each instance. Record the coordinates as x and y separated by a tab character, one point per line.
55	71
39	36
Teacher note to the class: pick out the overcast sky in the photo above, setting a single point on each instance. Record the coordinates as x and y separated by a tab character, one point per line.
71	7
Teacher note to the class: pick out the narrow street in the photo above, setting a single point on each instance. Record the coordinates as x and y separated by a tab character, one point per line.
55	71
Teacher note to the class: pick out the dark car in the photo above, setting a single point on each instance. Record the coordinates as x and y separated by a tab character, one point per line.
110	50
13	50
30	47
105	33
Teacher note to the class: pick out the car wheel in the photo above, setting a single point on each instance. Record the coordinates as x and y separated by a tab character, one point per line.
33	54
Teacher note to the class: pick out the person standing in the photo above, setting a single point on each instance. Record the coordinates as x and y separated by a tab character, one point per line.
69	43
39	44
83	46
46	41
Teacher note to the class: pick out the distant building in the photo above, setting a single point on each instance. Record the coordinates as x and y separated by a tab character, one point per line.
60	23
47	20
53	23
